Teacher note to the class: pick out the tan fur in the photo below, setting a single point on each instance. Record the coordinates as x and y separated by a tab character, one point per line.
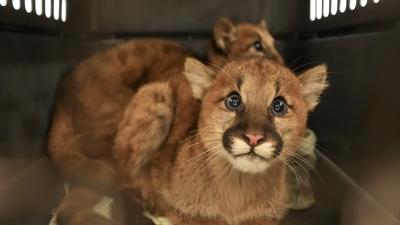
315	85
91	105
193	180
148	111
92	102
233	41
198	83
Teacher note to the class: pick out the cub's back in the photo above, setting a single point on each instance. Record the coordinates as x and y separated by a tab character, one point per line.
95	94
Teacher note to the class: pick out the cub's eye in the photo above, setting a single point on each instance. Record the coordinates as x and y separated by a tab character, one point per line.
258	46
233	101
279	107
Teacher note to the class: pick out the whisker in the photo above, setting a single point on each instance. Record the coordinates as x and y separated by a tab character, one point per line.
307	163
203	128
209	132
306	172
290	162
299	157
297	59
296	78
305	64
283	159
224	72
214	155
201	142
210	156
200	156
203	153
198	133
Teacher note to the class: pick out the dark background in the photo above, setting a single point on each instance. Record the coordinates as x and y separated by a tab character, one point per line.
357	122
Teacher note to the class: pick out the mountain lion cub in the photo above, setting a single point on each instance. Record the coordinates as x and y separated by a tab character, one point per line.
232	168
93	98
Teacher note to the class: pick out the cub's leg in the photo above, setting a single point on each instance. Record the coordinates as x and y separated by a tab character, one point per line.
79	207
144	127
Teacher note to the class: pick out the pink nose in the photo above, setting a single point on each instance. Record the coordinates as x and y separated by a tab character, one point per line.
253	139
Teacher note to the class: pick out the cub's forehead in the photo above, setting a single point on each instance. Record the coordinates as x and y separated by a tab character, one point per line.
257	77
254	30
250	28
257	69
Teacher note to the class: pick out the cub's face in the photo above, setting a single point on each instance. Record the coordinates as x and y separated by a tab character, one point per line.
254	111
245	39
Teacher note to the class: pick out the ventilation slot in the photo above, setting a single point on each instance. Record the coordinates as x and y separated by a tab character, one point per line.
52	9
16	4
325	8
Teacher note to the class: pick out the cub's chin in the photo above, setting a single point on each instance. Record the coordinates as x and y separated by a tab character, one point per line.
250	164
255	159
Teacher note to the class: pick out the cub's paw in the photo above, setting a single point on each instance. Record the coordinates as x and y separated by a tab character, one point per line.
146	122
152	109
152	102
144	128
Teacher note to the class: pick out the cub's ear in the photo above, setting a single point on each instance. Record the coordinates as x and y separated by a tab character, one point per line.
224	32
199	76
263	23
314	81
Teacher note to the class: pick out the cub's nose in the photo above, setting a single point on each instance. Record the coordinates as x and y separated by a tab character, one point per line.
253	139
